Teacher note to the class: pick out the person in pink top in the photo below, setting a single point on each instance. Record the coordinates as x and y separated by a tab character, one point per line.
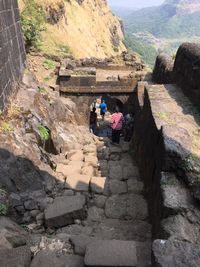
116	124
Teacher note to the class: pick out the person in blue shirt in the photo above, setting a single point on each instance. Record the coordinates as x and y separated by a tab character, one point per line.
103	109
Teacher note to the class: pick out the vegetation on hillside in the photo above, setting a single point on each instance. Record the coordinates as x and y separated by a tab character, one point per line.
147	52
161	28
33	20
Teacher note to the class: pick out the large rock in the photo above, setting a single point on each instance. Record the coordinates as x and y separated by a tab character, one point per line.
65	210
179	227
11	234
111	253
174	253
15	257
78	182
51	259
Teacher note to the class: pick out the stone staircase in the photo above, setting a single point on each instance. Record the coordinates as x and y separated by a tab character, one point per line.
103	198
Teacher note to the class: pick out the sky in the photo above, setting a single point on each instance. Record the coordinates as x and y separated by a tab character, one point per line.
135	3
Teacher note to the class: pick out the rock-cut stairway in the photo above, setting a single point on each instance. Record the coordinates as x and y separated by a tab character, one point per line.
102	208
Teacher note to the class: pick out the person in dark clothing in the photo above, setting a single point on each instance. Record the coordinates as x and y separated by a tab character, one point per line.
103	109
93	121
128	127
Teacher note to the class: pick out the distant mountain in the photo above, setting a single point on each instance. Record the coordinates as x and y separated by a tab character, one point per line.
164	27
173	18
122	11
182	7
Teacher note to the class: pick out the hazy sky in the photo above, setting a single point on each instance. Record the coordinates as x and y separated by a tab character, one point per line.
135	3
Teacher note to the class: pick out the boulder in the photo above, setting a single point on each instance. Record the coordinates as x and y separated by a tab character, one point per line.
64	211
11	234
168	253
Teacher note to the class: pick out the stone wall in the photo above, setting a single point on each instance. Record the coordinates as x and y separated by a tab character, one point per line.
149	148
163	70
12	51
187	70
169	163
76	81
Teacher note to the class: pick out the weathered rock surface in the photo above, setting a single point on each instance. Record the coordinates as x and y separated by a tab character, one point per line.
11	234
174	253
64	211
111	253
15	257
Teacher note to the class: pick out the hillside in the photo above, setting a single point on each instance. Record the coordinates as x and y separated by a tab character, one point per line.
85	28
165	27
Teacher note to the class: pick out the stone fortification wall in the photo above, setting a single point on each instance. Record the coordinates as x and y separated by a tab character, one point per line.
187	70
169	163
12	51
163	70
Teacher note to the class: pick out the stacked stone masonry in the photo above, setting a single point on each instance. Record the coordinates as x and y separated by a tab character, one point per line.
12	50
184	71
167	149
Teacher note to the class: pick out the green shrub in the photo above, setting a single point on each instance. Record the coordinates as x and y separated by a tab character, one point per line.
3	209
33	19
43	132
49	64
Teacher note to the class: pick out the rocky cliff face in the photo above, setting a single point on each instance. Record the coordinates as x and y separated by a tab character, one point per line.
87	27
182	7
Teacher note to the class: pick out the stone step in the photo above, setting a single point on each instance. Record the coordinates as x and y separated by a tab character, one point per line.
48	258
64	211
111	253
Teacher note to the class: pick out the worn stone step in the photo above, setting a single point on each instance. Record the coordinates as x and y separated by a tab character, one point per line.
111	253
51	259
64	211
78	182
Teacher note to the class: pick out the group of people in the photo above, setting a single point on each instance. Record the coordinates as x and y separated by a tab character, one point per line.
120	124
